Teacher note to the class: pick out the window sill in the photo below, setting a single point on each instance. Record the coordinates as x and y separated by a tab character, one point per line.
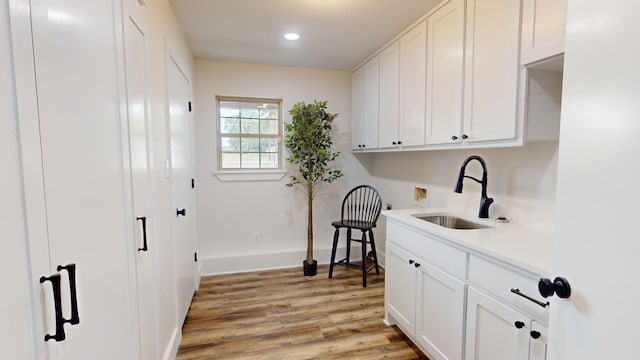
268	175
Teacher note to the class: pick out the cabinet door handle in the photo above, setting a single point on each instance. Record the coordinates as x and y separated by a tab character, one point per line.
180	212
394	143
517	292
73	294
535	334
416	265
399	142
454	138
519	324
465	136
411	262
144	233
57	303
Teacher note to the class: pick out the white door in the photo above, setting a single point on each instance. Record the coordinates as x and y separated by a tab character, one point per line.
440	312
181	186
371	101
445	47
358	110
75	185
400	287
139	150
495	331
413	68
492	69
598	176
16	341
389	95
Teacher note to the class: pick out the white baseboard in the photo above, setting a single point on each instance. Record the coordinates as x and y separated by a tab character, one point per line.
171	350
229	264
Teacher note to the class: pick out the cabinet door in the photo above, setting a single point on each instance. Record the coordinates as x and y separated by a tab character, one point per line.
538	342
81	174
439	312
358	109
494	330
492	70
16	336
413	67
445	47
543	29
400	287
389	95
371	96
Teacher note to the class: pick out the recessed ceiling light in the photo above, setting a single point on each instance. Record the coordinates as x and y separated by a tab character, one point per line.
291	36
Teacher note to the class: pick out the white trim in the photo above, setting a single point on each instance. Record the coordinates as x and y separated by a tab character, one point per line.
230	264
171	351
261	175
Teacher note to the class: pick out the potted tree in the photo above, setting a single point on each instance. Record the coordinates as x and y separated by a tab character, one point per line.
308	139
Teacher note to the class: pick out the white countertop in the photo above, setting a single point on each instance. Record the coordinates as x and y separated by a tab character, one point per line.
523	247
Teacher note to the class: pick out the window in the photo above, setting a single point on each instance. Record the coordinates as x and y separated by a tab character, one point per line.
249	134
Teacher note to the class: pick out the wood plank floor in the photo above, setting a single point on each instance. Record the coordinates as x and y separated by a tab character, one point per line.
281	314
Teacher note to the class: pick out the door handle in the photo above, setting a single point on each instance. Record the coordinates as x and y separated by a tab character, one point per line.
71	272
560	286
182	212
144	233
57	303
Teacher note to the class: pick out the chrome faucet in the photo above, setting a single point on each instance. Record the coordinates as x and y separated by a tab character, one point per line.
485	201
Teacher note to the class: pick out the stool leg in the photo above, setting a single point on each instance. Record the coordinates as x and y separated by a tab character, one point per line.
336	234
348	245
364	259
373	250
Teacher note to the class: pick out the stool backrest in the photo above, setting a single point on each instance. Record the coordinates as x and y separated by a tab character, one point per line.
362	203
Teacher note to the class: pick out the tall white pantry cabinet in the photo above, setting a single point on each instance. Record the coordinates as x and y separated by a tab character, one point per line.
78	237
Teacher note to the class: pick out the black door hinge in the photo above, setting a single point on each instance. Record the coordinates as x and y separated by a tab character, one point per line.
189	106
195	256
193	183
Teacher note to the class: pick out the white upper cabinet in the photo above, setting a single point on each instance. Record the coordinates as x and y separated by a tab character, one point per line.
543	29
389	95
492	71
445	54
364	87
371	101
357	106
455	79
413	58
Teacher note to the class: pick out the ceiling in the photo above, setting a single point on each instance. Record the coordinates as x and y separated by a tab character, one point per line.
334	34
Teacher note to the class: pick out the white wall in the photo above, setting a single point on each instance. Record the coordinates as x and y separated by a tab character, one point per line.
229	213
522	181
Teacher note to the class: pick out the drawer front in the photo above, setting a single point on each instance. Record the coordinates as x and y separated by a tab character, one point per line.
439	254
499	279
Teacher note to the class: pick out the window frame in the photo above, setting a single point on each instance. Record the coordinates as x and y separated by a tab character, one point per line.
272	173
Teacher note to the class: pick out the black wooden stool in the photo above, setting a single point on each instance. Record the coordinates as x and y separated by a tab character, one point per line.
360	211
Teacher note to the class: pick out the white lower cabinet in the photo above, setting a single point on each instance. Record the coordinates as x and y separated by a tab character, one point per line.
439	312
434	291
426	302
496	331
400	288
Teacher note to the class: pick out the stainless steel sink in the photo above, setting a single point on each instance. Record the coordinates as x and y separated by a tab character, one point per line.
451	222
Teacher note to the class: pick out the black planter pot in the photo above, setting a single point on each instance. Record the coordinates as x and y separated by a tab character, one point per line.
310	269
